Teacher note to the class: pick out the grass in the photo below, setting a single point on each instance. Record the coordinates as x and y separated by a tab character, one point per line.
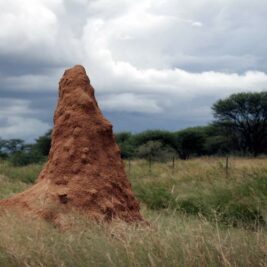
26	174
172	241
200	186
9	187
199	217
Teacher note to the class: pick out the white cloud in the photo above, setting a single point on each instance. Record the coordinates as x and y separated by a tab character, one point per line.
24	24
25	128
142	56
32	82
17	120
130	103
197	24
124	56
13	107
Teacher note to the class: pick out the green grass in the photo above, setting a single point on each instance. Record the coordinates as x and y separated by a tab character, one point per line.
9	187
26	174
201	187
198	215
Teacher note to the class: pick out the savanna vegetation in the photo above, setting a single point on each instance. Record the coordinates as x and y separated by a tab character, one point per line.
203	190
239	128
199	215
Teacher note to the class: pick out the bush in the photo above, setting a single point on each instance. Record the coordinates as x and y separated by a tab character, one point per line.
164	137
189	206
124	140
43	143
156	151
3	156
230	206
155	196
25	158
239	214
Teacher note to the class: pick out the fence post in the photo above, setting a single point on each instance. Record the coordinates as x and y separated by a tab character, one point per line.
150	163
129	166
173	163
227	167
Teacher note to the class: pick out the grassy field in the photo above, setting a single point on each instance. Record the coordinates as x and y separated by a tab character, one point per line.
199	215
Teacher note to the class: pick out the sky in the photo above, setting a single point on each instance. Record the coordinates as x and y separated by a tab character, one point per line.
157	64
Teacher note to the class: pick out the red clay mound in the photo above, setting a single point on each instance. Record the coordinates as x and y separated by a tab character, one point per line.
84	171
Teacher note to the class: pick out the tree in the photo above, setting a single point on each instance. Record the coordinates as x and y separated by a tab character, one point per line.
166	138
43	143
3	152
124	140
122	137
244	116
155	150
218	141
190	141
12	146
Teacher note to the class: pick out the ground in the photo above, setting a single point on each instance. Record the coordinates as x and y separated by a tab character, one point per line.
200	214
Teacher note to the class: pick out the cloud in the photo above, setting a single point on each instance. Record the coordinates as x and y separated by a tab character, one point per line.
33	37
26	24
197	24
128	102
25	128
30	82
12	107
165	58
17	120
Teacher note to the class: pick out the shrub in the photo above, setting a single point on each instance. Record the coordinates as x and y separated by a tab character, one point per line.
25	158
3	155
155	196
189	206
164	137
124	140
241	214
156	151
43	143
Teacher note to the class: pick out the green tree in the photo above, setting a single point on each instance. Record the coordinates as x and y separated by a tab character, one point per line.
244	116
12	146
166	138
43	143
217	141
189	142
3	152
156	151
124	140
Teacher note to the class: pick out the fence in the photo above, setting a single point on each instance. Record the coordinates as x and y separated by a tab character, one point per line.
173	164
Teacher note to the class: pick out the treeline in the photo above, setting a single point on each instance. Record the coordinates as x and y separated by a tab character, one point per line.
19	153
239	127
164	145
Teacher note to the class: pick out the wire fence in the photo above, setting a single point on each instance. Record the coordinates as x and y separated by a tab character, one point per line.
173	165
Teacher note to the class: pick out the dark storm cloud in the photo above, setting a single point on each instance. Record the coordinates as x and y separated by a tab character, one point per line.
154	64
25	64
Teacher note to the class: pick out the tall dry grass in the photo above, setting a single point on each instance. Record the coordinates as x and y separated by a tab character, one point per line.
171	241
198	215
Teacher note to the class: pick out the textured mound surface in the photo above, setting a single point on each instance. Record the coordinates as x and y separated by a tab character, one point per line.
84	171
